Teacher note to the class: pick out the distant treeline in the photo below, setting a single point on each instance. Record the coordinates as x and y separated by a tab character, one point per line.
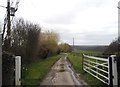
113	48
91	48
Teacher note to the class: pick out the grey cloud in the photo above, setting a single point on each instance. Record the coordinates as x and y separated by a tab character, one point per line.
67	17
113	25
61	19
95	38
99	37
95	3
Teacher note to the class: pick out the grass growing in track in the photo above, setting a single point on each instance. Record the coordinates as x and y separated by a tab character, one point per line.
76	61
37	71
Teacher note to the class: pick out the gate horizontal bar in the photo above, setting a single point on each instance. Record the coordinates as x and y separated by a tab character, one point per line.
96	72
96	63
97	68
97	77
97	58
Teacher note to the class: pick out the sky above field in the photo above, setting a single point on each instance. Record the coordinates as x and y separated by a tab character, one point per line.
89	22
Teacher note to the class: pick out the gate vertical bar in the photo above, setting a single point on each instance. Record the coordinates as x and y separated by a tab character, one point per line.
17	70
82	60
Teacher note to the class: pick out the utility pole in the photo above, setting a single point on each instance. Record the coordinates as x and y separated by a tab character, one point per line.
8	36
73	44
7	22
8	19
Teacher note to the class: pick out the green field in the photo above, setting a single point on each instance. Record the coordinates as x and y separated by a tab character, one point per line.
36	72
76	61
92	53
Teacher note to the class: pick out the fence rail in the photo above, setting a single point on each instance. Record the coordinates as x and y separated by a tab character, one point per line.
101	68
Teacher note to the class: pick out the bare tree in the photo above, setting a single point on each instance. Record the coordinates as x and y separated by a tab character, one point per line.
25	38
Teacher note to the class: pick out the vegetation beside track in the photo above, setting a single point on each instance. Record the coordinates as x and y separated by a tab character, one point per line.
36	72
76	61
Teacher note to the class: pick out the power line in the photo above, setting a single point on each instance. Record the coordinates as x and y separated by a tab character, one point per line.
2	6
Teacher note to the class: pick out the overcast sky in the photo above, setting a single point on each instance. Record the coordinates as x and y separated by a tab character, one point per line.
89	22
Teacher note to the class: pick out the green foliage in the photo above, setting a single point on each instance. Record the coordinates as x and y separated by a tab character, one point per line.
113	48
64	47
48	44
36	71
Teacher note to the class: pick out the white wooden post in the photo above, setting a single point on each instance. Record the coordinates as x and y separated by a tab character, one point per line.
18	70
114	70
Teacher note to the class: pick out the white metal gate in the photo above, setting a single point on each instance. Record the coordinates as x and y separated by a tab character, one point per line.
103	69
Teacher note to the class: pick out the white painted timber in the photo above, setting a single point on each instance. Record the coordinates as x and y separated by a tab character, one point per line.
18	70
114	70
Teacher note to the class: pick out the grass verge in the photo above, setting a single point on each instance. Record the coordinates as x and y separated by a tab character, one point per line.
76	61
36	71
